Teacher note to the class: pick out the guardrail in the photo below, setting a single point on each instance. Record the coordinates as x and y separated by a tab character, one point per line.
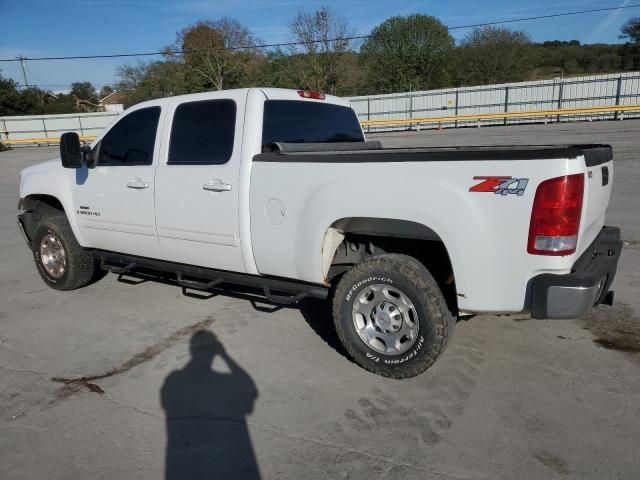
617	110
40	141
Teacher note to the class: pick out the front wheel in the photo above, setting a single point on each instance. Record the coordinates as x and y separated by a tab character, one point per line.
62	263
391	316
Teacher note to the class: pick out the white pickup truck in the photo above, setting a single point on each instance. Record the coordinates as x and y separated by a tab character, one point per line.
278	190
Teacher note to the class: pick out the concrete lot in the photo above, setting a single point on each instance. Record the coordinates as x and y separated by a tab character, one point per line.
511	399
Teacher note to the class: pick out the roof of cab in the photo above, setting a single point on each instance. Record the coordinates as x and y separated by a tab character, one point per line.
269	93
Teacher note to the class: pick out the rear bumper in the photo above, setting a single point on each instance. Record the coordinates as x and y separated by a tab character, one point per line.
572	295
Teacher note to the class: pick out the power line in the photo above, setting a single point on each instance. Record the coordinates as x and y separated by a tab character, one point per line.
288	44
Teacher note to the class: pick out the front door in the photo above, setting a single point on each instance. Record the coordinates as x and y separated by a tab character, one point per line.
114	201
197	184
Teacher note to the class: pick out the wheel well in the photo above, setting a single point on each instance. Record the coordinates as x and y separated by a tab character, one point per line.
397	236
39	206
47	202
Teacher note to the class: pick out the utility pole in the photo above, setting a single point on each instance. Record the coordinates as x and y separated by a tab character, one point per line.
24	70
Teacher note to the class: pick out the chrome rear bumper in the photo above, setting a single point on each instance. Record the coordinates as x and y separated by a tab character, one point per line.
572	295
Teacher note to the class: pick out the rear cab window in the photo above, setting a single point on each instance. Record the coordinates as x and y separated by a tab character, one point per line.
294	121
203	133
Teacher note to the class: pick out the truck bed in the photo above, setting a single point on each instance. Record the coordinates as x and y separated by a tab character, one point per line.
357	152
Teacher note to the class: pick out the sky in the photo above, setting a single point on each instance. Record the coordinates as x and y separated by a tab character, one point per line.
85	27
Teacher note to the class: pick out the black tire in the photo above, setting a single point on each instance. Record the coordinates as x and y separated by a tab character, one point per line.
80	269
434	320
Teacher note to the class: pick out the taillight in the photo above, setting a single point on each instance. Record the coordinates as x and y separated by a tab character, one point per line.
555	219
315	95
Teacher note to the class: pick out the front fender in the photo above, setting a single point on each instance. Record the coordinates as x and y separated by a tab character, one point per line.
51	179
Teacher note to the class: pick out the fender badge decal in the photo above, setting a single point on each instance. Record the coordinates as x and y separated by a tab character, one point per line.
501	185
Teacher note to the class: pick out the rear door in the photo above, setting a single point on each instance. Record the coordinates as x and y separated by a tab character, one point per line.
114	201
197	183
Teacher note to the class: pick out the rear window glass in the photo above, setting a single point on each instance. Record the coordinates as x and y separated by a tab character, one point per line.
291	121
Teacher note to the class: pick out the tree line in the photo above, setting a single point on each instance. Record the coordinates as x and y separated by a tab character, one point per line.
403	53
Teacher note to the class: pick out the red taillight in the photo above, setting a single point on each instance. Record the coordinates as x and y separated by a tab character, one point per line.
555	219
315	95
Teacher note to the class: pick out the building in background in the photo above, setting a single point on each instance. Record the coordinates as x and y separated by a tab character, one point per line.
114	102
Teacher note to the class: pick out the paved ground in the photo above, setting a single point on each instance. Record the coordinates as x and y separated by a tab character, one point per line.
510	399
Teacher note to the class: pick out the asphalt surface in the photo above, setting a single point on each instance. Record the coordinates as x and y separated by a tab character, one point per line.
104	381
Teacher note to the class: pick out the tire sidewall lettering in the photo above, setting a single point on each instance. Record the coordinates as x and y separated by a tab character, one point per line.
357	286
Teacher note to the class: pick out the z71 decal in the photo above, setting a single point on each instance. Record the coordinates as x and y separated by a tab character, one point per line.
501	185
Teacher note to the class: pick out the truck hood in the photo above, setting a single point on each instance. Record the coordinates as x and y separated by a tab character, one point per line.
49	166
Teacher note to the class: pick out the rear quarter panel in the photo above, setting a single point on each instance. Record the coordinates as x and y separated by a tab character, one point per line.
485	233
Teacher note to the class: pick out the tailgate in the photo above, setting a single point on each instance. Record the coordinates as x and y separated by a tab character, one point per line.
599	166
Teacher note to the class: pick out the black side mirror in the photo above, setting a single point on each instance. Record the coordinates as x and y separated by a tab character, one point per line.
70	153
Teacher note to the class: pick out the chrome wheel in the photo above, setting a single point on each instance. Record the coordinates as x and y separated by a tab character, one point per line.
53	255
385	319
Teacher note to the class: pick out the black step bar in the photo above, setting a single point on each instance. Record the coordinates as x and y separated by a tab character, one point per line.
199	278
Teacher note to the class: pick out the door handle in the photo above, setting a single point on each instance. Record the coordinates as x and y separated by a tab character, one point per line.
137	184
217	186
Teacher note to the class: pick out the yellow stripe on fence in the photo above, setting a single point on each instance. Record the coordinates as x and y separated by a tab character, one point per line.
402	121
40	141
502	115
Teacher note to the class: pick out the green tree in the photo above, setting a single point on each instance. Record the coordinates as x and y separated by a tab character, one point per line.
84	91
11	102
146	81
631	30
105	91
404	53
319	58
277	70
60	103
493	55
216	54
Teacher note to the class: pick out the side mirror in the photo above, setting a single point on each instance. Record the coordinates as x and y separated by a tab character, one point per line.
70	153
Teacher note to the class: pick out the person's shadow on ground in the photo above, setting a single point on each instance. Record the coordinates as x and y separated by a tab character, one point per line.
206	414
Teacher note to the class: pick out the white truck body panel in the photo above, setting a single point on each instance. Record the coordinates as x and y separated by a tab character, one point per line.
194	225
126	218
274	218
485	234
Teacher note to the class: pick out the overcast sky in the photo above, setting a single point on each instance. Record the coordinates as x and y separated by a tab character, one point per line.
86	27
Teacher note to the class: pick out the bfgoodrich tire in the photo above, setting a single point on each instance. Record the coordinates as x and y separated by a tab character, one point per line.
391	316
61	262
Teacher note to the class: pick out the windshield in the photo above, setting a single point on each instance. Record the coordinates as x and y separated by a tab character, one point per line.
291	121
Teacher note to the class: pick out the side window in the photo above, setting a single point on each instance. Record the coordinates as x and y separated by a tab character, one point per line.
202	133
131	140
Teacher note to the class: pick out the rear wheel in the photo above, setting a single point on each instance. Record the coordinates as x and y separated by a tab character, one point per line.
391	316
61	262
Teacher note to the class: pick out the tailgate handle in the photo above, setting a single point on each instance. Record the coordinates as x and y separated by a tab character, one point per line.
605	176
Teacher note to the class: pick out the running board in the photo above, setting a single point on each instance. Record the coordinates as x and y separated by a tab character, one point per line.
199	278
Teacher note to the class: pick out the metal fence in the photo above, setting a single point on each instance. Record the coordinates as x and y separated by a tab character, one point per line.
558	94
576	92
48	128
